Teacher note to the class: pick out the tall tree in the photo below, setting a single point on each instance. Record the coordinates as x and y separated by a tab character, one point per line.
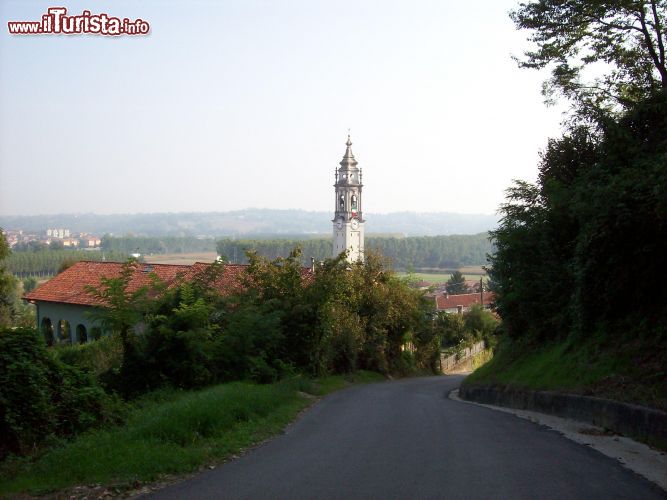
7	285
603	54
124	307
456	284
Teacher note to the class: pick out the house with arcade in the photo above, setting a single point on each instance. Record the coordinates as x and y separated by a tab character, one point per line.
64	303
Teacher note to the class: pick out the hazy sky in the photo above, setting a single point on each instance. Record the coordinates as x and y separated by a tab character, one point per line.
246	103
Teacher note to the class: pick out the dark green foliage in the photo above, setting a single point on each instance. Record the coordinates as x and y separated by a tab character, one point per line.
26	408
29	284
12	311
344	340
627	36
622	212
452	331
456	330
42	397
456	284
342	318
404	253
481	324
284	320
9	299
251	345
7	286
583	252
97	357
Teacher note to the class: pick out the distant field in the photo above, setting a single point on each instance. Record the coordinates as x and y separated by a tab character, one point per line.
181	258
442	277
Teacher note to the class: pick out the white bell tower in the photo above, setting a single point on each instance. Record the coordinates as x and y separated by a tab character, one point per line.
348	222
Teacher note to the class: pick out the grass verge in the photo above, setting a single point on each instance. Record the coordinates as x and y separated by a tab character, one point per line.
171	432
630	371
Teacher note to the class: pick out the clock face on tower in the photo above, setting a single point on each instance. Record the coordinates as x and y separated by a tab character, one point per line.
339	223
355	224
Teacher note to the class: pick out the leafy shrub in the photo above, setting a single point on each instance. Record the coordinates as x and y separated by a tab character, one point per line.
177	358
250	345
40	396
344	341
95	357
482	324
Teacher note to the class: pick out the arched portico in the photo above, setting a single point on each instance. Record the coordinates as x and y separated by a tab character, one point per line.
47	330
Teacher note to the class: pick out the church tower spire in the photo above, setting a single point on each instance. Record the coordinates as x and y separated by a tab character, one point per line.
348	221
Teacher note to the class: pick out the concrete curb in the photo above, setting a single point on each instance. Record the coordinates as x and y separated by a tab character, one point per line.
635	421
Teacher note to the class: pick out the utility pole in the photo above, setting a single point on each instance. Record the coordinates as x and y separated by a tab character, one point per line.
481	291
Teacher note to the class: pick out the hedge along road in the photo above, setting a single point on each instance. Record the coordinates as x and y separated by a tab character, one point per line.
406	439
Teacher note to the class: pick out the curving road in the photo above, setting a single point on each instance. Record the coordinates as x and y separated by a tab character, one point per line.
406	439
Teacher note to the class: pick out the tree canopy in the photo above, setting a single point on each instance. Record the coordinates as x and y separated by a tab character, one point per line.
456	284
583	250
602	54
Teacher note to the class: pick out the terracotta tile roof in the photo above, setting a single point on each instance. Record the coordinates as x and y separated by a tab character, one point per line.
70	286
231	280
466	300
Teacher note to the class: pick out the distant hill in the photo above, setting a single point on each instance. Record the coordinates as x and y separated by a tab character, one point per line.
252	222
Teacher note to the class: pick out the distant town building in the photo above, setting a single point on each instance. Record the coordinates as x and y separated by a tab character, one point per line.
13	237
70	242
93	241
58	233
463	302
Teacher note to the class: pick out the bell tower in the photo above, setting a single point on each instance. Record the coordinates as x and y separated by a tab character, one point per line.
348	222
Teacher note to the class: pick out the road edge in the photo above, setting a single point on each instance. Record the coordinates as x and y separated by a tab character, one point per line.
638	457
638	422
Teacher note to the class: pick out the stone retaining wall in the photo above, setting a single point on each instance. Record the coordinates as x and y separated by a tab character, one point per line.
449	364
636	421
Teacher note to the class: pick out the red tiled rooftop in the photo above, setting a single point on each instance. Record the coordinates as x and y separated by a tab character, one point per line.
71	285
465	300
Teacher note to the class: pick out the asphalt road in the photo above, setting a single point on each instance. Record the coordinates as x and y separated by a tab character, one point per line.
406	439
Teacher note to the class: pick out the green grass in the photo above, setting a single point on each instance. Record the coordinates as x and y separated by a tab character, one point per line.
551	366
625	372
481	358
170	433
434	278
325	385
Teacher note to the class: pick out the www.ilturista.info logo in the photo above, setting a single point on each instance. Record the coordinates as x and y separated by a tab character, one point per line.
56	21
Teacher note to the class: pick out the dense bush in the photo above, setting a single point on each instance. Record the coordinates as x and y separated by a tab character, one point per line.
42	397
342	318
96	357
582	252
458	330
